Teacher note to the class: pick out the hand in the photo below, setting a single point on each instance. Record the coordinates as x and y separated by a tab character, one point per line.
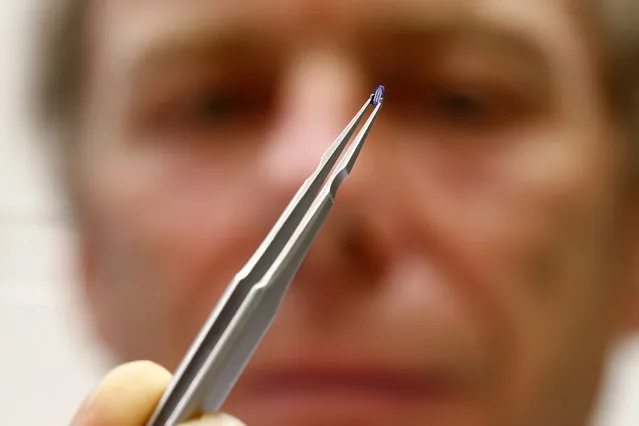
128	395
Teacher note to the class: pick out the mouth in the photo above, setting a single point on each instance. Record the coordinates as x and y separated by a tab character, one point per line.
349	395
364	382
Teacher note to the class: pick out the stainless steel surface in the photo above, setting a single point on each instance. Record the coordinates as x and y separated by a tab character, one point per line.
237	324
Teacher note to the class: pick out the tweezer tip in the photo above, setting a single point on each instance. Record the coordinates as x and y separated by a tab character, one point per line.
378	95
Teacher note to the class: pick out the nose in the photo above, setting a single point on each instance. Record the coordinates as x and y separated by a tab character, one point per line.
316	99
321	95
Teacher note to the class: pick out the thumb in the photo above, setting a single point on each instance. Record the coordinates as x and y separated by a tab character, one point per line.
127	396
215	420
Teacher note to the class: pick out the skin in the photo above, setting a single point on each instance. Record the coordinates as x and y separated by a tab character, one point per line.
128	395
483	237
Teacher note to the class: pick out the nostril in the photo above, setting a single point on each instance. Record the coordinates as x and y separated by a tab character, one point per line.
353	245
360	247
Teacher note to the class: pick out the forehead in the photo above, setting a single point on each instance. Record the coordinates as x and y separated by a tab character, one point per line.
133	36
132	27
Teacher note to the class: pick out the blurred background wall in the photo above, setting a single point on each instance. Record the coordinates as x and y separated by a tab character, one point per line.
47	359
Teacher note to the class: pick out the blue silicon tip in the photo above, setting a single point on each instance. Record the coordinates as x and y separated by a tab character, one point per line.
379	95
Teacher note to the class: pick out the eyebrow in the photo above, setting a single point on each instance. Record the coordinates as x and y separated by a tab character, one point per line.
237	38
424	36
203	42
417	29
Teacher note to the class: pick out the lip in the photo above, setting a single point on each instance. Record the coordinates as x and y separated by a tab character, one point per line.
404	384
353	394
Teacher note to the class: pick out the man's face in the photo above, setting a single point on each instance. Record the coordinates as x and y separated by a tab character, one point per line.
473	270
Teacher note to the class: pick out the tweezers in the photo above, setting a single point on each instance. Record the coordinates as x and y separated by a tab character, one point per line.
235	327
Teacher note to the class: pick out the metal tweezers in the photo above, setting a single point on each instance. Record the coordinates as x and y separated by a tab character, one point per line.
245	311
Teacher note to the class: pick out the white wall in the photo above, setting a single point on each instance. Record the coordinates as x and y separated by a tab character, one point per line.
46	362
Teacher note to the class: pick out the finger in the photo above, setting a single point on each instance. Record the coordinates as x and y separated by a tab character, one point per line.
127	396
215	420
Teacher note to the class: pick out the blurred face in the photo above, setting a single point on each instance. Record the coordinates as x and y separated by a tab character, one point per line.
474	269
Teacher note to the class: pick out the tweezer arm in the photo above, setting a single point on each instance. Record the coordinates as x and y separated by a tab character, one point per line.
260	307
196	375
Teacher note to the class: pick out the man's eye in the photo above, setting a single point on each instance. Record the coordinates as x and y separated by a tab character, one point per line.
205	112
198	111
209	108
457	107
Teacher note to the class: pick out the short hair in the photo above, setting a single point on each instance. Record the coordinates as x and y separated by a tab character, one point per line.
613	25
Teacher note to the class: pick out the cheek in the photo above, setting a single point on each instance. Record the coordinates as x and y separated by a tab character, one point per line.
508	197
520	221
530	232
173	238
